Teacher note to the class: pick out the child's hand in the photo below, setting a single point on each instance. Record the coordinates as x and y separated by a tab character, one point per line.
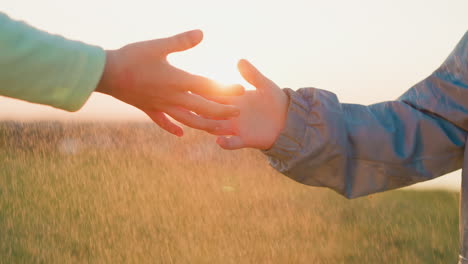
262	112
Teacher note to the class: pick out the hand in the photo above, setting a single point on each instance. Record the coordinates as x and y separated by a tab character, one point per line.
140	75
262	112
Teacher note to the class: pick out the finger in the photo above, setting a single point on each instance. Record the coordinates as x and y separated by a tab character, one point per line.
163	122
226	100
253	75
204	86
230	143
182	41
205	107
229	100
215	127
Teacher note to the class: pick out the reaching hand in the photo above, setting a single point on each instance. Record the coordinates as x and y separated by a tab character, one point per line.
262	112
140	75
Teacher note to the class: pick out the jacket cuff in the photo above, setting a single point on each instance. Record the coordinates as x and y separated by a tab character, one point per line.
291	138
88	67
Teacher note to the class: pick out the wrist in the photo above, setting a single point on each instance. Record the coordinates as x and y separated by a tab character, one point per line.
283	100
106	83
284	105
280	116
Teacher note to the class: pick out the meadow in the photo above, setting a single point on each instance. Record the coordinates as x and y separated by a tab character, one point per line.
131	193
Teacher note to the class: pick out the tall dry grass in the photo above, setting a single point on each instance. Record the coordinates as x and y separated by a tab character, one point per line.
129	193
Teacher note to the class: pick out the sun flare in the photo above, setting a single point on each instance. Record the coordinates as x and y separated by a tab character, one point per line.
225	72
221	69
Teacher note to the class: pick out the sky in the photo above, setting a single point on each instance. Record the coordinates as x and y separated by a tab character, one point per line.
365	51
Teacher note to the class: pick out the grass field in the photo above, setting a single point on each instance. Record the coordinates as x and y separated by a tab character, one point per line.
129	193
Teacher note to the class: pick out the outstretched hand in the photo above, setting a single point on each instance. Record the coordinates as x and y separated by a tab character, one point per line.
262	112
140	75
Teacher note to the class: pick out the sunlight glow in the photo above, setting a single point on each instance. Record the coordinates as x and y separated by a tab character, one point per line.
226	73
222	69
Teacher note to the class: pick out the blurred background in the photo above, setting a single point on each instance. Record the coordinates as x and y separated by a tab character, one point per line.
365	51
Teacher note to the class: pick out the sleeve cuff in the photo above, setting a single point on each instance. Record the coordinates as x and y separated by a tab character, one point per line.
90	66
291	139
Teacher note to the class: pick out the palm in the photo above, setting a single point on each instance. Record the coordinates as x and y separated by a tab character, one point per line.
140	75
262	113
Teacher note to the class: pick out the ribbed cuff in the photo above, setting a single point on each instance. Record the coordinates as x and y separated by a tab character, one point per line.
89	68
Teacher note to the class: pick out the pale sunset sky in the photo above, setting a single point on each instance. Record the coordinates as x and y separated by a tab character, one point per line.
365	51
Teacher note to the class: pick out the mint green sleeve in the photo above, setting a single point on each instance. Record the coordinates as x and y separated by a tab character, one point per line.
42	68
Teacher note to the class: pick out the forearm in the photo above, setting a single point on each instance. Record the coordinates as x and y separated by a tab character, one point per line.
358	150
42	68
445	92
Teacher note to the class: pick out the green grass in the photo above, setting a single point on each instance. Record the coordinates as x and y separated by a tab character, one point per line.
128	193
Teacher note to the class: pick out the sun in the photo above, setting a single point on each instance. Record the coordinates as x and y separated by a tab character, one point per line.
224	71
222	68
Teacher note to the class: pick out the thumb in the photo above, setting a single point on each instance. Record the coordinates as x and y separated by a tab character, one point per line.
253	75
230	143
182	41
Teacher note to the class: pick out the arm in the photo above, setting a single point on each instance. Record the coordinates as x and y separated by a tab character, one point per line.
358	150
47	69
42	68
355	149
445	92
